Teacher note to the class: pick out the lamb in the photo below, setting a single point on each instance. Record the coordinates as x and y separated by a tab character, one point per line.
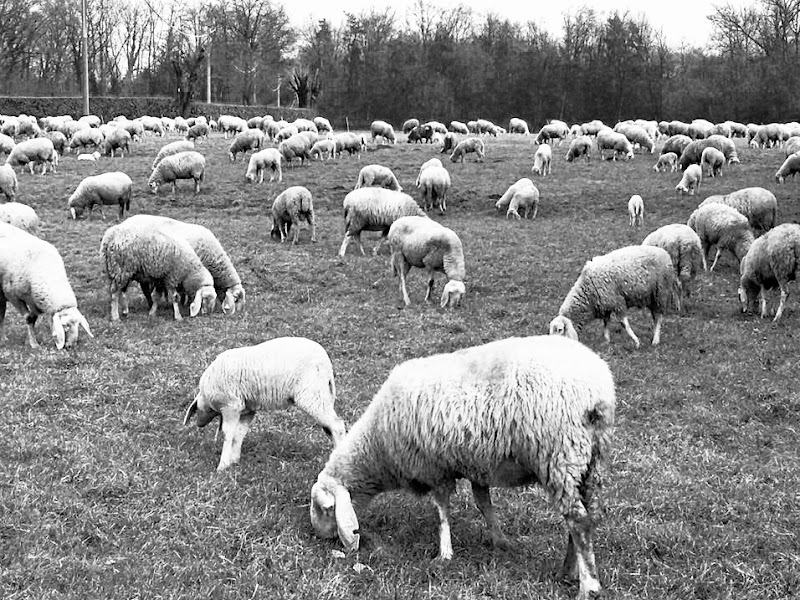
197	131
516	125
297	146
172	148
19	215
382	129
249	139
34	280
464	147
277	373
423	243
34	152
580	146
757	204
89	157
522	194
323	147
543	160
434	182
268	158
789	167
684	248
350	142
104	189
377	176
690	182
289	208
724	226
667	161
117	139
8	182
133	252
507	413
636	211
772	261
182	165
633	276
374	209
712	160
608	139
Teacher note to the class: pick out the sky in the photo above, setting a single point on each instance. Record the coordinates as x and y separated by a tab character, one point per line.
681	22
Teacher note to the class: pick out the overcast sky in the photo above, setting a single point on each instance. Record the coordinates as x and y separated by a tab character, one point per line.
681	22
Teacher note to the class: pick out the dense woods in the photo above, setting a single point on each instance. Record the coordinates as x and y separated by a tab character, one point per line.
428	62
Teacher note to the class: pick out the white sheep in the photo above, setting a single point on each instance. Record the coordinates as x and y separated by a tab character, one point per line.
59	141
374	209
410	124
434	183
322	148
727	147
197	131
293	205
173	148
791	146
423	243
555	130
636	211
629	277
8	182
580	146
296	146
543	160
89	157
454	127
19	215
132	252
36	151
790	166
117	139
607	139
691	180
666	162
249	139
323	124
7	143
524	195
723	226
684	249
712	161
466	146
773	260
182	165
230	124
104	189
350	142
86	138
34	280
516	125
274	374
508	413
637	135
286	132
384	130
759	205
377	176
261	161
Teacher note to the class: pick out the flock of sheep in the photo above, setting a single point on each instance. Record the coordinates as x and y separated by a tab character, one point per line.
481	413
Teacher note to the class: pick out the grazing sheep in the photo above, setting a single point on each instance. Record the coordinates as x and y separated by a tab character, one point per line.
677	144
410	124
592	127
438	127
724	226
286	132
711	161
131	251
508	413
89	157
555	130
772	261
182	165
117	139
384	130
543	160
423	243
173	148
305	125
59	141
607	139
351	143
434	182
230	124
690	182
34	152
7	143
789	167
449	142
268	158
580	146
8	182
34	280
684	248
323	125
521	195
726	146
197	131
666	162
277	373
629	277
466	146
638	135
104	189
86	138
322	148
457	127
757	204
791	146
377	176
291	206
516	125
636	211
249	139
296	146
374	209
20	216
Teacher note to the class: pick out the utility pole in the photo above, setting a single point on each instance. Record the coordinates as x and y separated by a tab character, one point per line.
208	74
278	89
85	59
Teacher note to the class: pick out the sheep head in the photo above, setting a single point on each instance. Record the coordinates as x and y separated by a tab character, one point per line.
204	301
65	327
332	512
563	326
452	293
234	299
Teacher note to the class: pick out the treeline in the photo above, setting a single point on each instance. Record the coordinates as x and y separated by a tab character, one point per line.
430	63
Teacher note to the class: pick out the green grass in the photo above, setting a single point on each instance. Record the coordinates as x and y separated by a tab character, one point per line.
103	493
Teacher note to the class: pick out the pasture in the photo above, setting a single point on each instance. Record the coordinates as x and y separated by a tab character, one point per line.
104	494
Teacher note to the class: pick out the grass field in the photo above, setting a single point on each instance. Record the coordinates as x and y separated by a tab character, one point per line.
104	494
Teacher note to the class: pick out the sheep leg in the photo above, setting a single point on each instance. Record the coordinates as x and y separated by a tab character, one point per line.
657	317
580	553
30	319
176	306
607	329
784	295
296	225
197	186
346	242
115	305
483	499
232	444
716	258
430	287
124	296
632	335
704	252
313	224
763	302
403	270
441	498
377	247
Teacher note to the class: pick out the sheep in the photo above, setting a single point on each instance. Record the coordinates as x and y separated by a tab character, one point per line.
668	161
612	140
173	148
522	194
34	280
286	132
182	165
580	146
638	135
693	152
791	146
374	209
289	208
7	143
350	142
712	160
592	127
197	131
516	125
678	128
85	157
438	127
543	160
552	131
19	215
457	127
8	182
382	129
230	124
305	125
677	144
59	141
636	211
33	152
789	167
423	243
249	139
255	122
449	142
434	182
296	146
323	124
466	146
410	124
279	372
633	276
117	139
377	176
773	260
132	252
700	129
86	138
323	147
507	413
757	204
153	125
724	226
690	182
685	251
104	189
726	146
268	158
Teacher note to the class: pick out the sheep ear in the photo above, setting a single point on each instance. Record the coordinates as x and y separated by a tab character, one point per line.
194	307
58	332
73	213
85	324
346	520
